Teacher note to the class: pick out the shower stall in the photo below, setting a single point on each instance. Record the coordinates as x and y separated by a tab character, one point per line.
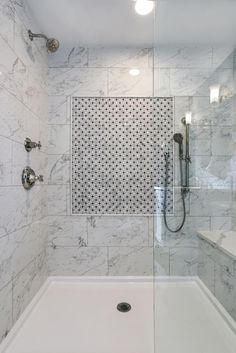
117	172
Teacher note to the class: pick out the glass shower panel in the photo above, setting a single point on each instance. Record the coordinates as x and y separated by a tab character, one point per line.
194	218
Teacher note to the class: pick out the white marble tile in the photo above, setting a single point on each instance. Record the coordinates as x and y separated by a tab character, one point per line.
59	169
122	84
7	21
77	261
14	209
5	310
206	268
72	56
223	141
162	83
223	56
67	231
181	106
120	57
25	48
161	261
36	95
35	203
117	231
18	249
210	171
225	289
186	237
223	77
5	161
13	123
202	111
59	110
188	82
59	139
57	200
210	202
130	261
78	82
221	223
200	147
183	261
192	56
27	283
14	73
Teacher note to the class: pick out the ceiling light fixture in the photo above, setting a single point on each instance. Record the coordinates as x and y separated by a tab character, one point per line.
134	72
144	7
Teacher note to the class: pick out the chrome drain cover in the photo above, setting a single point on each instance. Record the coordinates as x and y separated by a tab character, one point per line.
124	307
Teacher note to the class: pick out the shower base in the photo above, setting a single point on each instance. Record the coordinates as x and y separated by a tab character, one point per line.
80	315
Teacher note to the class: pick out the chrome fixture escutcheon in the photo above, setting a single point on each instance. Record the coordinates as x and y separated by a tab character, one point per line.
29	145
29	178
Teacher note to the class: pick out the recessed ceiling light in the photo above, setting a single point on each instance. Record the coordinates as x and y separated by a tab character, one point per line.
144	7
134	72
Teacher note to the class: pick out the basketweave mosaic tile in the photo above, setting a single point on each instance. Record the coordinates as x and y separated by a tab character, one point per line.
118	147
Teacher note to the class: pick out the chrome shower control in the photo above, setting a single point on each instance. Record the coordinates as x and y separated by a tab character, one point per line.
30	144
29	178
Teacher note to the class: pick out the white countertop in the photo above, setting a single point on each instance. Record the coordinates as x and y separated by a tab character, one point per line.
226	241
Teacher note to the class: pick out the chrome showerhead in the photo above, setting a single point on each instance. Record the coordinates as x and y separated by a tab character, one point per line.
52	44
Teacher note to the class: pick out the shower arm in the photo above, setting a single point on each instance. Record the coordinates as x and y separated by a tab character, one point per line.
35	35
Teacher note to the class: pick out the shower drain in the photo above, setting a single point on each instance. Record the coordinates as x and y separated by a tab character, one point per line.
124	307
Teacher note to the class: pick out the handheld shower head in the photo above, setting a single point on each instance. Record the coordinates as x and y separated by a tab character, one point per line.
178	138
52	44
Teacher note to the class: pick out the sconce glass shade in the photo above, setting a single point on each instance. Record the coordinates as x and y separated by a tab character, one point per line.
215	94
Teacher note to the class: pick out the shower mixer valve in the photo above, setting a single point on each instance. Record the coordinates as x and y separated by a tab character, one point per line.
29	145
29	178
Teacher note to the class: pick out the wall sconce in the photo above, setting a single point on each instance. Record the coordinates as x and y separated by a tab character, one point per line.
215	94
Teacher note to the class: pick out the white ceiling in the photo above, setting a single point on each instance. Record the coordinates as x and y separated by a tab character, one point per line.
115	23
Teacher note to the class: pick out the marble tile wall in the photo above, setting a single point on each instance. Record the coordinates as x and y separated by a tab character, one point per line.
187	73
218	271
23	108
92	245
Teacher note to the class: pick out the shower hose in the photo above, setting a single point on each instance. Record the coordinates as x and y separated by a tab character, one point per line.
167	162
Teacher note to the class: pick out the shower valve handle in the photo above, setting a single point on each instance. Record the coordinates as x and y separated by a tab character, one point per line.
29	178
29	145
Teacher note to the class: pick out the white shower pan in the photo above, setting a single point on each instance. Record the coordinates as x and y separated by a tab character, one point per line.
79	315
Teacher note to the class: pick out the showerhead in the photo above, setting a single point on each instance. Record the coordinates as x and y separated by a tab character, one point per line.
178	138
52	44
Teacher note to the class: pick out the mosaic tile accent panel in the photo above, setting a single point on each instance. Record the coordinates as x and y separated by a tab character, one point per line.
118	147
